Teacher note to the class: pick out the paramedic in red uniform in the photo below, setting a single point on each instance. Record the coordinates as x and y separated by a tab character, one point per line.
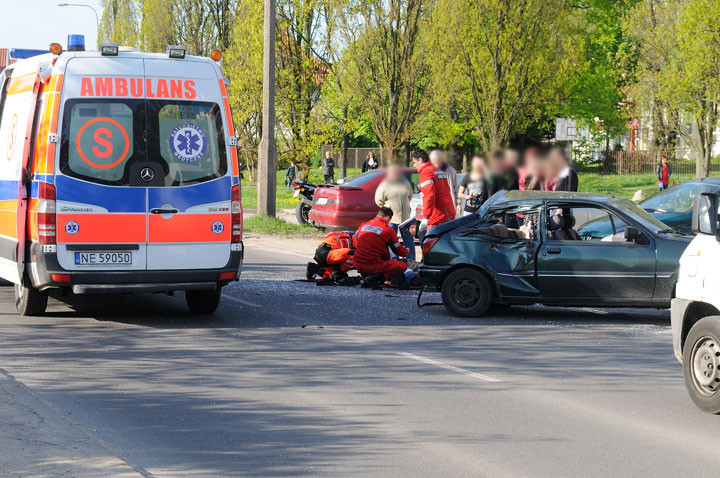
437	200
372	256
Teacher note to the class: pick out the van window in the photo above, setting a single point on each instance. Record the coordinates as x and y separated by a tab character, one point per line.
190	139
100	138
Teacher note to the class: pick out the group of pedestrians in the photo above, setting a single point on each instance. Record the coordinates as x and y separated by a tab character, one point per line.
375	250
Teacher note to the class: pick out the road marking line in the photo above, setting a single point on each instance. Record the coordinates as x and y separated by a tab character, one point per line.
240	301
479	376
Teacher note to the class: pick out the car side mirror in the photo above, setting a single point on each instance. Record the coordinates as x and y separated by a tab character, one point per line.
705	214
632	234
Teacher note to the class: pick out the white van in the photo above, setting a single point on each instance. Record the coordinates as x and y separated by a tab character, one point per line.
695	311
118	173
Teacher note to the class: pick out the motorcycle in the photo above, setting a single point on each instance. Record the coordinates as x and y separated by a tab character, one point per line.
306	190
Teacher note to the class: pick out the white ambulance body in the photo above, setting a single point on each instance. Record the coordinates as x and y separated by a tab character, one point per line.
118	173
695	312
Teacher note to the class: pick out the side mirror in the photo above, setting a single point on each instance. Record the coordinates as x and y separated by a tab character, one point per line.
632	234
705	214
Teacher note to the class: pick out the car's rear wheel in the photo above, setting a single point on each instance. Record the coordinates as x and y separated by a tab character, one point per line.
203	301
301	213
701	364
29	300
467	292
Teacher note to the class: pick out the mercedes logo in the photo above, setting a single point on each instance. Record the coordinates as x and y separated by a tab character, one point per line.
147	174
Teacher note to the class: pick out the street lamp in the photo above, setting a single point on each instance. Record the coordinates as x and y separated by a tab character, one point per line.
97	18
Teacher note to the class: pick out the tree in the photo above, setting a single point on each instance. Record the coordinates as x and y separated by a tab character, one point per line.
243	66
119	22
301	74
595	92
694	75
679	68
391	73
507	60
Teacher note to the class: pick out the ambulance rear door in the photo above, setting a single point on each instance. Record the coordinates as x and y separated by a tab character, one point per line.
189	220
101	198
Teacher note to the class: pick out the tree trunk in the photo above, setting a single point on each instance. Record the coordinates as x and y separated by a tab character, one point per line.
390	154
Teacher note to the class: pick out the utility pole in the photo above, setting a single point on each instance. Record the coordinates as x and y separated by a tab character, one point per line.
267	155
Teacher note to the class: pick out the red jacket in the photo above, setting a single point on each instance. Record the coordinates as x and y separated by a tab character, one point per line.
438	206
373	239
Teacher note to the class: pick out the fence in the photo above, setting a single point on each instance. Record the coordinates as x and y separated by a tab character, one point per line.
355	156
643	162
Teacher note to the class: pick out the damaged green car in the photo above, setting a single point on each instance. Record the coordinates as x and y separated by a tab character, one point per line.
535	247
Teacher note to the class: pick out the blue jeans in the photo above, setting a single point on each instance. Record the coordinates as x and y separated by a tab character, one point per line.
408	241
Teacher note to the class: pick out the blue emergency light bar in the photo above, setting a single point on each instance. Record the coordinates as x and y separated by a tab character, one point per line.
76	43
23	53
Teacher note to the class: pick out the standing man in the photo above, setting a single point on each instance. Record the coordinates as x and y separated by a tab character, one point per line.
437	200
437	158
663	172
567	178
396	193
504	175
372	256
328	167
290	175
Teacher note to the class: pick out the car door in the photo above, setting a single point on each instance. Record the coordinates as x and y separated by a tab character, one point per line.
604	270
101	199
189	220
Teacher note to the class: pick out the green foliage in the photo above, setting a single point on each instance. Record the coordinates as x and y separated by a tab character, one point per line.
243	67
505	62
678	70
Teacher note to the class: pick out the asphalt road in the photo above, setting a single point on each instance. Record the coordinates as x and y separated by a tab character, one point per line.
291	379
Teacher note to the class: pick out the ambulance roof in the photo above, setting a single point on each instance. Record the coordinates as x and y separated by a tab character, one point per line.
30	65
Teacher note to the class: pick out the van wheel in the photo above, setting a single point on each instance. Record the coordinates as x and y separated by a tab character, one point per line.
203	301
29	301
701	364
467	292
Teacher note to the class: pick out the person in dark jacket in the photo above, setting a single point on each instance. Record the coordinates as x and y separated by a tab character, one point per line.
504	175
328	167
370	163
663	173
566	178
290	175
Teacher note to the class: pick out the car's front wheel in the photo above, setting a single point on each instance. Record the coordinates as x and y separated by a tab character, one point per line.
29	300
203	301
467	292
701	364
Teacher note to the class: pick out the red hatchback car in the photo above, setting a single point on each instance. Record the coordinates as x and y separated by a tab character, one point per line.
348	204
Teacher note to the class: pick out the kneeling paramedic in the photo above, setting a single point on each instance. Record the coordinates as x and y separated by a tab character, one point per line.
333	257
372	256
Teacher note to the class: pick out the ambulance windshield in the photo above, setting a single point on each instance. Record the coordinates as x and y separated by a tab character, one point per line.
104	141
190	139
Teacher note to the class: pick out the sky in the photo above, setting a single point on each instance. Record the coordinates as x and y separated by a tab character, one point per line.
37	23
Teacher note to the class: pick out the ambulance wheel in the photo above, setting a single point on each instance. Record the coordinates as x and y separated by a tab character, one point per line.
301	213
701	364
467	292
202	301
29	300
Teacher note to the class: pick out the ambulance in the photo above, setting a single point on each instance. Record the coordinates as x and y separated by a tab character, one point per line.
118	174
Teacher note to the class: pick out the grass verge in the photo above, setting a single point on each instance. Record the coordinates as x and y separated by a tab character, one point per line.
624	185
273	225
283	195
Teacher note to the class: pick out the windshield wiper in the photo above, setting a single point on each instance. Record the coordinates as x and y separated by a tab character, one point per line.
670	230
